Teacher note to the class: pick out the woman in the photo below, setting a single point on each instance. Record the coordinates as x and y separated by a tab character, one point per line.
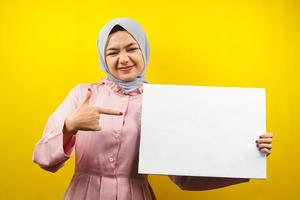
101	122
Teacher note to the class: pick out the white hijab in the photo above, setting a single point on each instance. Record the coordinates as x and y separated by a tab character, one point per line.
139	35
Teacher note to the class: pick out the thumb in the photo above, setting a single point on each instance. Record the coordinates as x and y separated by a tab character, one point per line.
88	97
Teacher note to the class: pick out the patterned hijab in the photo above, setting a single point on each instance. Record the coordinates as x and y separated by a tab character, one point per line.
139	35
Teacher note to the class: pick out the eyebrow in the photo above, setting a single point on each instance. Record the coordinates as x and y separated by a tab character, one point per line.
125	46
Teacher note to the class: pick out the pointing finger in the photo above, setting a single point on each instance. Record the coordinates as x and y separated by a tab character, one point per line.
108	111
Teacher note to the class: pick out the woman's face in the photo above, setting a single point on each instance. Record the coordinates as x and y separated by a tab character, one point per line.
123	56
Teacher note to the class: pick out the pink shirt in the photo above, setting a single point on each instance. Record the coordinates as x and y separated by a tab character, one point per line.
107	160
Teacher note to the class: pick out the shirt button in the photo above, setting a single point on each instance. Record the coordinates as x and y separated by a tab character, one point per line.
111	159
116	135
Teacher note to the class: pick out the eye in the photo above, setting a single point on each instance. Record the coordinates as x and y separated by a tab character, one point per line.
132	49
112	53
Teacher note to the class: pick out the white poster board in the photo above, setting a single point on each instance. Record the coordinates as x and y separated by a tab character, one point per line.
202	131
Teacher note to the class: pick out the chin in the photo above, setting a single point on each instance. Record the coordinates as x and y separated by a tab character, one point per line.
127	79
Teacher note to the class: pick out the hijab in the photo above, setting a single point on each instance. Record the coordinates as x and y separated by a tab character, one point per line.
137	32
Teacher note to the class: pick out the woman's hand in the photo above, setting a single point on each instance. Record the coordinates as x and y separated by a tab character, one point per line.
86	117
264	143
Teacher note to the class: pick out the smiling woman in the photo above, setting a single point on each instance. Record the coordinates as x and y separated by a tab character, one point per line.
123	55
100	122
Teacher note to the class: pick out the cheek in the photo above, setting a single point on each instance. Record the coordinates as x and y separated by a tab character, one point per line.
139	58
111	62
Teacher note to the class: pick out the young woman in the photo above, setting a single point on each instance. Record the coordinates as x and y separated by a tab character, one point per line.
101	122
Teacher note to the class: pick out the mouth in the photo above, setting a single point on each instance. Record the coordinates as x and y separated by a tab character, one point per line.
126	68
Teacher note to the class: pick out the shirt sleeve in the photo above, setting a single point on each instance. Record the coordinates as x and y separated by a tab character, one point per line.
49	153
193	183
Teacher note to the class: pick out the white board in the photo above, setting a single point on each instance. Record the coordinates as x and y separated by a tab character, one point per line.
202	131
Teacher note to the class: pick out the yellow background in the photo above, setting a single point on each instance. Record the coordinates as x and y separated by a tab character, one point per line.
47	47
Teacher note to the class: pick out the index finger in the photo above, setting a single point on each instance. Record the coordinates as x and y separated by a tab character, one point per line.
108	111
267	135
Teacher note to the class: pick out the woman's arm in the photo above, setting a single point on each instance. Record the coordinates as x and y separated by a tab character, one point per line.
204	183
57	144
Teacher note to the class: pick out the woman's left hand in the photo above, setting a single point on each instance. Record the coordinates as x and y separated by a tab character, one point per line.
264	143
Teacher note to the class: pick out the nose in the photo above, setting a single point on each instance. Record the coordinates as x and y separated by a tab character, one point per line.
123	59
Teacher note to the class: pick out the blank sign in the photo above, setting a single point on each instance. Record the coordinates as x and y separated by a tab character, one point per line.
202	131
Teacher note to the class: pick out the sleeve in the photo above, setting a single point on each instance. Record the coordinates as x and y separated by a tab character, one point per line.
193	183
49	153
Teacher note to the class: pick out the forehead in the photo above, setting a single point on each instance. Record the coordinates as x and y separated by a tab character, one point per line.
120	39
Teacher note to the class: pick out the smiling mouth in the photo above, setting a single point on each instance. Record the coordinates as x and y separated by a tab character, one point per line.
127	68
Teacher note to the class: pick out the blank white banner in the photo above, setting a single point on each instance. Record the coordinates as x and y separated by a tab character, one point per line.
202	131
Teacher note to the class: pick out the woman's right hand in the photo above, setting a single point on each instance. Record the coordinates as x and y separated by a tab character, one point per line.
86	117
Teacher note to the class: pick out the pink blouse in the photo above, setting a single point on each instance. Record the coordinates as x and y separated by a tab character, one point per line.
107	160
